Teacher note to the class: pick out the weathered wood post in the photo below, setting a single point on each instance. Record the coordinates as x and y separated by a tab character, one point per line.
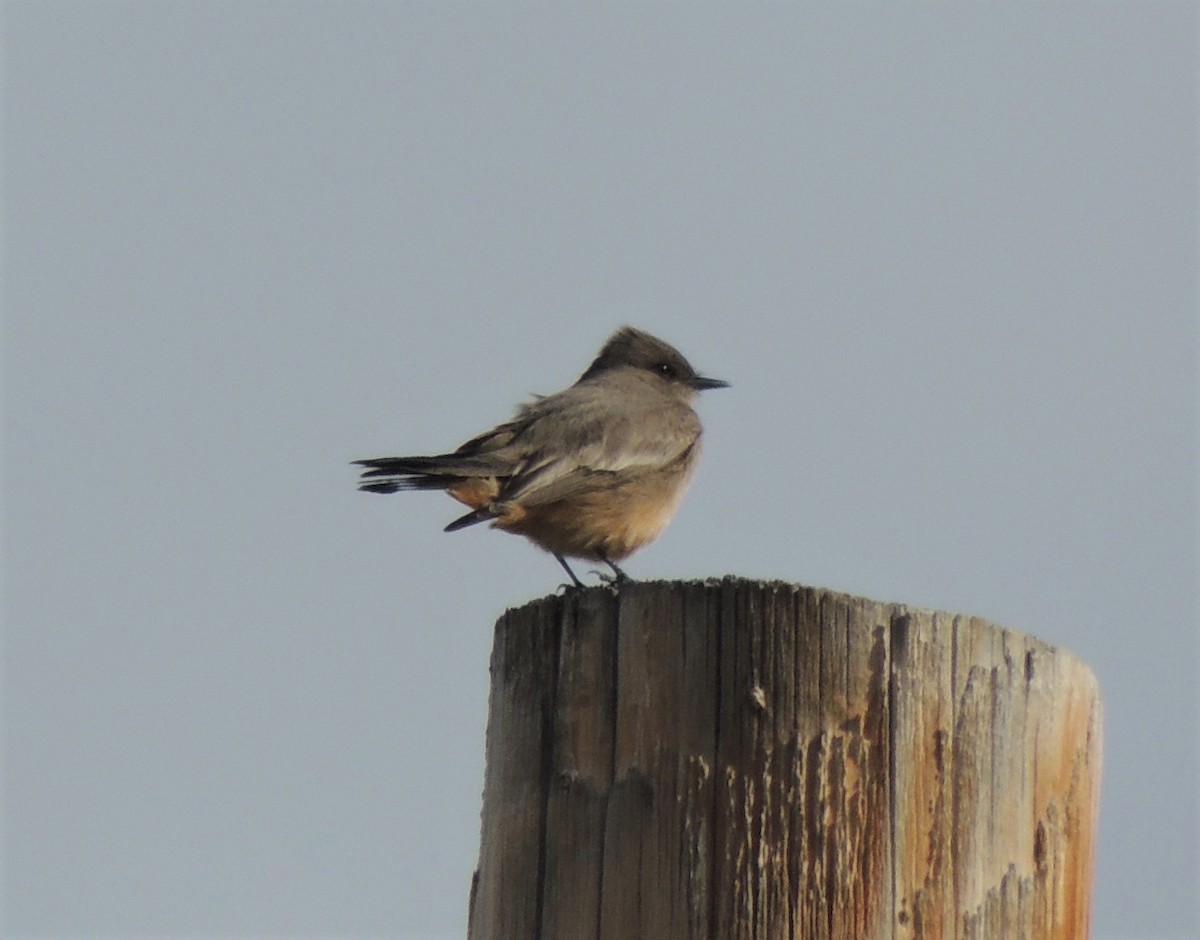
736	759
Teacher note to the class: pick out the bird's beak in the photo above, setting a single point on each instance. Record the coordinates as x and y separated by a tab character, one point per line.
699	383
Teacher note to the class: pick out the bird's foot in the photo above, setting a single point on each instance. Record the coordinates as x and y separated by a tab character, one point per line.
617	577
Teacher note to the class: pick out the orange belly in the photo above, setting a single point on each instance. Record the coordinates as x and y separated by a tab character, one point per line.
612	522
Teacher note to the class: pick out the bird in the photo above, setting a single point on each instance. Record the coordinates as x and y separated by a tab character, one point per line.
595	471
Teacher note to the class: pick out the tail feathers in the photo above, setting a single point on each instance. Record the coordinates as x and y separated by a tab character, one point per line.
409	466
475	517
396	484
454	465
393	474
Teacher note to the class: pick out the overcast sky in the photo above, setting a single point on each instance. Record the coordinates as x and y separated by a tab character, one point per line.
946	256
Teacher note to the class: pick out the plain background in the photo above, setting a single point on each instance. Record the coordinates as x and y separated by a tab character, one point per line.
945	254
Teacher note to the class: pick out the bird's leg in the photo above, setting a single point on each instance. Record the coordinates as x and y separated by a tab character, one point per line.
618	574
562	561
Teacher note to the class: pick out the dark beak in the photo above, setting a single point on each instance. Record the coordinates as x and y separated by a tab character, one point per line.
699	383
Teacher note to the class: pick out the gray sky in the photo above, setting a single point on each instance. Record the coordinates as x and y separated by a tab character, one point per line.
945	254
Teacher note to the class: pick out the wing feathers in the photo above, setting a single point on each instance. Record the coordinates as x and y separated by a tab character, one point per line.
580	438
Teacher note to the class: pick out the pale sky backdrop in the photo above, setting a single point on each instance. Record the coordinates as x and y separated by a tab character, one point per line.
946	255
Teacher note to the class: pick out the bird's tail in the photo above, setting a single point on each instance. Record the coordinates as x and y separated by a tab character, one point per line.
393	474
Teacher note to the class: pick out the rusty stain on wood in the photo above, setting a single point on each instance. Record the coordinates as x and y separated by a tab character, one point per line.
738	759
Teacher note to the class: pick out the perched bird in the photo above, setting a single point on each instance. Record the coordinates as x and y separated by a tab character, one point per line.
595	471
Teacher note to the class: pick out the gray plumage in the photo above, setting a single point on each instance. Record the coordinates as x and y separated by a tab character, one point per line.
627	420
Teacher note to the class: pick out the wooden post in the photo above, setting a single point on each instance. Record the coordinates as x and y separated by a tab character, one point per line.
736	759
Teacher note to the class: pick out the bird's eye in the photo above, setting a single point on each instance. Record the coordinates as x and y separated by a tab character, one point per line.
665	368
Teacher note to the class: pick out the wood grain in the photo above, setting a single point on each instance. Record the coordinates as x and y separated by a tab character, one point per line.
738	759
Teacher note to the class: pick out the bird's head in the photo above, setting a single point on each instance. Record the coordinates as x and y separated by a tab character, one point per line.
630	348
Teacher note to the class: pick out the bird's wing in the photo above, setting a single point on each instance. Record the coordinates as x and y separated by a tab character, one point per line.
578	440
